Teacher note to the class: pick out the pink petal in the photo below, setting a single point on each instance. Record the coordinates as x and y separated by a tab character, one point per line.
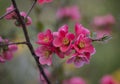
57	42
8	55
70	36
13	48
79	29
70	60
63	31
65	48
78	63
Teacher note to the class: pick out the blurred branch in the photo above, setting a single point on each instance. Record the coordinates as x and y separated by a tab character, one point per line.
104	38
29	11
28	40
17	43
6	14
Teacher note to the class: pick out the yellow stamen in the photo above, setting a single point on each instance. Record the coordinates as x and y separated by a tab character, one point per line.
46	39
81	45
65	41
47	53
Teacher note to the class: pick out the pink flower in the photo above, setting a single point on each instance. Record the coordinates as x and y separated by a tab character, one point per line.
45	38
69	12
64	39
102	25
28	20
45	54
103	21
11	15
79	29
6	52
44	1
84	44
108	80
74	80
79	59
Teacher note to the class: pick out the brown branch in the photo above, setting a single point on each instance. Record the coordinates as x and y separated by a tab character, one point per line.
28	40
100	39
29	11
6	14
17	43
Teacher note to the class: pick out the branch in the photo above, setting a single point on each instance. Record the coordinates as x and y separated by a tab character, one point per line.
104	38
28	40
100	39
17	43
6	14
29	11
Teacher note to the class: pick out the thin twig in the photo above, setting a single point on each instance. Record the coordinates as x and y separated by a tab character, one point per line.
17	43
29	11
29	43
100	39
6	14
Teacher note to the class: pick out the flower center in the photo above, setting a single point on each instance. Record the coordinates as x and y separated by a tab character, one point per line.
77	59
81	45
46	39
47	53
65	41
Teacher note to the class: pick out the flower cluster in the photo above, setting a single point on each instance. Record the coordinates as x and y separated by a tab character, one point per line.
44	1
69	12
13	16
74	80
77	46
102	25
6	51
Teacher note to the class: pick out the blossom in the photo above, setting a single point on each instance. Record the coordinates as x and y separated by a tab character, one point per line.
44	1
74	80
11	15
102	25
79	59
45	54
79	29
107	79
69	12
6	52
28	20
63	43
64	39
103	21
45	38
84	44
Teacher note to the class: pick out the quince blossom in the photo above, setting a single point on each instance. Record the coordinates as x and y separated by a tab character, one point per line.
69	12
64	39
77	46
45	38
28	20
11	15
102	25
6	52
79	59
45	54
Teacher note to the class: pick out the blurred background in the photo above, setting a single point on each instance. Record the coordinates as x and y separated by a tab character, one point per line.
22	68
